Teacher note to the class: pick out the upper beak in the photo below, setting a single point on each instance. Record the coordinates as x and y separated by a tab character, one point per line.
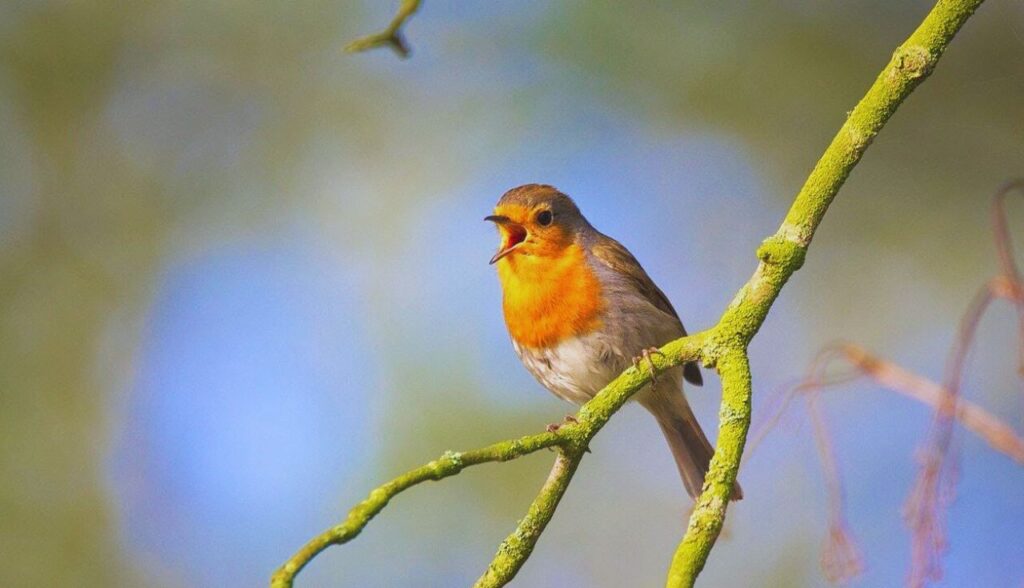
513	235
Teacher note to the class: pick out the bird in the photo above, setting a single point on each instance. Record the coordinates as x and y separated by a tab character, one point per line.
580	309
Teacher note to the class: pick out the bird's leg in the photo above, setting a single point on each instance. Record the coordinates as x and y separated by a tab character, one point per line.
646	354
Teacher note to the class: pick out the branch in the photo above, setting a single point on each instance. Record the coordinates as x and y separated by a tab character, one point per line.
572	439
391	36
723	347
449	464
517	547
709	511
783	253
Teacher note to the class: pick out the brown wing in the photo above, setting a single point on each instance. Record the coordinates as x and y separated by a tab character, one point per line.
614	255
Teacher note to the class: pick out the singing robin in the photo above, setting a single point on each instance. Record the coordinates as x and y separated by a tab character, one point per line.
580	309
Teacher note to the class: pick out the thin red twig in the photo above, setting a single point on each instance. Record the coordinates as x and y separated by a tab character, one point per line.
1013	286
840	557
934	488
935	485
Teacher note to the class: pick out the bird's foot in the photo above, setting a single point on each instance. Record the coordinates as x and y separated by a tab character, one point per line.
555	426
646	355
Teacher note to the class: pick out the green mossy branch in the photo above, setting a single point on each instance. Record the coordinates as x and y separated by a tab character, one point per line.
572	440
448	464
723	347
517	547
783	254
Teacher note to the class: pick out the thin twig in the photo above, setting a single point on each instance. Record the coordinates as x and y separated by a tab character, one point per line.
840	558
784	396
1013	286
988	427
925	510
391	36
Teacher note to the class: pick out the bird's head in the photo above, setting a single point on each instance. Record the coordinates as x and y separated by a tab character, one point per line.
535	221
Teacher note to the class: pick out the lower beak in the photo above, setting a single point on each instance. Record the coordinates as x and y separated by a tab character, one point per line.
502	253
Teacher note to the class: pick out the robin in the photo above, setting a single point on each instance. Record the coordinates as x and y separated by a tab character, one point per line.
580	309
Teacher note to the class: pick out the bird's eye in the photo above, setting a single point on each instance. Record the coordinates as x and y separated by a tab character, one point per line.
544	218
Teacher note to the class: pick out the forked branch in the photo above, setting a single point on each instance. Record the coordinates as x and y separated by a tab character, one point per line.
572	440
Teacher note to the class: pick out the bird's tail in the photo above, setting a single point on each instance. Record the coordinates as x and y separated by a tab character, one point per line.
690	447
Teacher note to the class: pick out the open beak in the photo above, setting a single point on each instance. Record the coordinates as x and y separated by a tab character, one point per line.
512	235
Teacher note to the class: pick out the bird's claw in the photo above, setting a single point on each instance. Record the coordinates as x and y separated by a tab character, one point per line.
646	355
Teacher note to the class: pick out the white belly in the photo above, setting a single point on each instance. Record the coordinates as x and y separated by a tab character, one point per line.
578	368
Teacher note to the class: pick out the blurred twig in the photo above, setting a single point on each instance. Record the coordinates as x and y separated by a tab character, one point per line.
926	507
723	347
1012	286
982	423
391	36
933	488
840	558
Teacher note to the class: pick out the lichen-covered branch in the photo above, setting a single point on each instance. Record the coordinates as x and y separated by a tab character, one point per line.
517	547
449	464
709	511
392	35
783	253
723	347
572	440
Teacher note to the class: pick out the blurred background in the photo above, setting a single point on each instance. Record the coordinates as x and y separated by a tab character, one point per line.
244	280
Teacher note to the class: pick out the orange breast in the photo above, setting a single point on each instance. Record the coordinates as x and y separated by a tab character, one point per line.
548	299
